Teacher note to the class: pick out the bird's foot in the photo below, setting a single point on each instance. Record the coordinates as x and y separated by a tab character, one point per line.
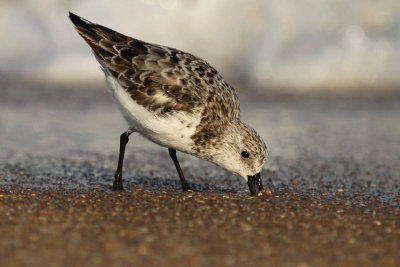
117	185
186	187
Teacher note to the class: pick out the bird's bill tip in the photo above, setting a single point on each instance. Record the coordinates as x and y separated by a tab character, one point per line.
254	182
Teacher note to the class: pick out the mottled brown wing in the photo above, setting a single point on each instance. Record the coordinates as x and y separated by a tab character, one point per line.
160	78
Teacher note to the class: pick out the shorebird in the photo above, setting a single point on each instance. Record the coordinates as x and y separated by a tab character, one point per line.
176	100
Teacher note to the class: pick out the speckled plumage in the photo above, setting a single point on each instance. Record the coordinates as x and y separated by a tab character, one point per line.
175	86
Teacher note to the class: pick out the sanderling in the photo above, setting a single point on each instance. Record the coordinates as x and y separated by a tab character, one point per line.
176	100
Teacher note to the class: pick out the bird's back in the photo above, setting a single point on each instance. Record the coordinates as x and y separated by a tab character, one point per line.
162	80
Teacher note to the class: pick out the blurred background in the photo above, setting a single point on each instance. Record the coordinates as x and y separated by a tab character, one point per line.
302	46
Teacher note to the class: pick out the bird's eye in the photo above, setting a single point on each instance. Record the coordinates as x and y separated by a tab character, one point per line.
245	154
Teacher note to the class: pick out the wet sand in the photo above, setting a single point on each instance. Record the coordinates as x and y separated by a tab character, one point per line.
332	186
168	228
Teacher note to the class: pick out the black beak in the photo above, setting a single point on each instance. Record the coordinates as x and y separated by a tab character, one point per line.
254	182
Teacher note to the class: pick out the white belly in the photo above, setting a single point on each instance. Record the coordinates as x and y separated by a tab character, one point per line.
166	131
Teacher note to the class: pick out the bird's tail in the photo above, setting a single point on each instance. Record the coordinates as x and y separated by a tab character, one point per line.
101	39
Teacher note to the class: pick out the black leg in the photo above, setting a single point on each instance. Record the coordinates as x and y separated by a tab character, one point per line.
123	140
185	185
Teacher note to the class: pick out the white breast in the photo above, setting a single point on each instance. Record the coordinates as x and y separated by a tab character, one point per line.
169	131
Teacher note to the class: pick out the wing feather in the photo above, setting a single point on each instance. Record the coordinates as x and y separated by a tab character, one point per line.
160	78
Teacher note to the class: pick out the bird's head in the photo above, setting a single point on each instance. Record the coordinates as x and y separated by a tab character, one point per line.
240	150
